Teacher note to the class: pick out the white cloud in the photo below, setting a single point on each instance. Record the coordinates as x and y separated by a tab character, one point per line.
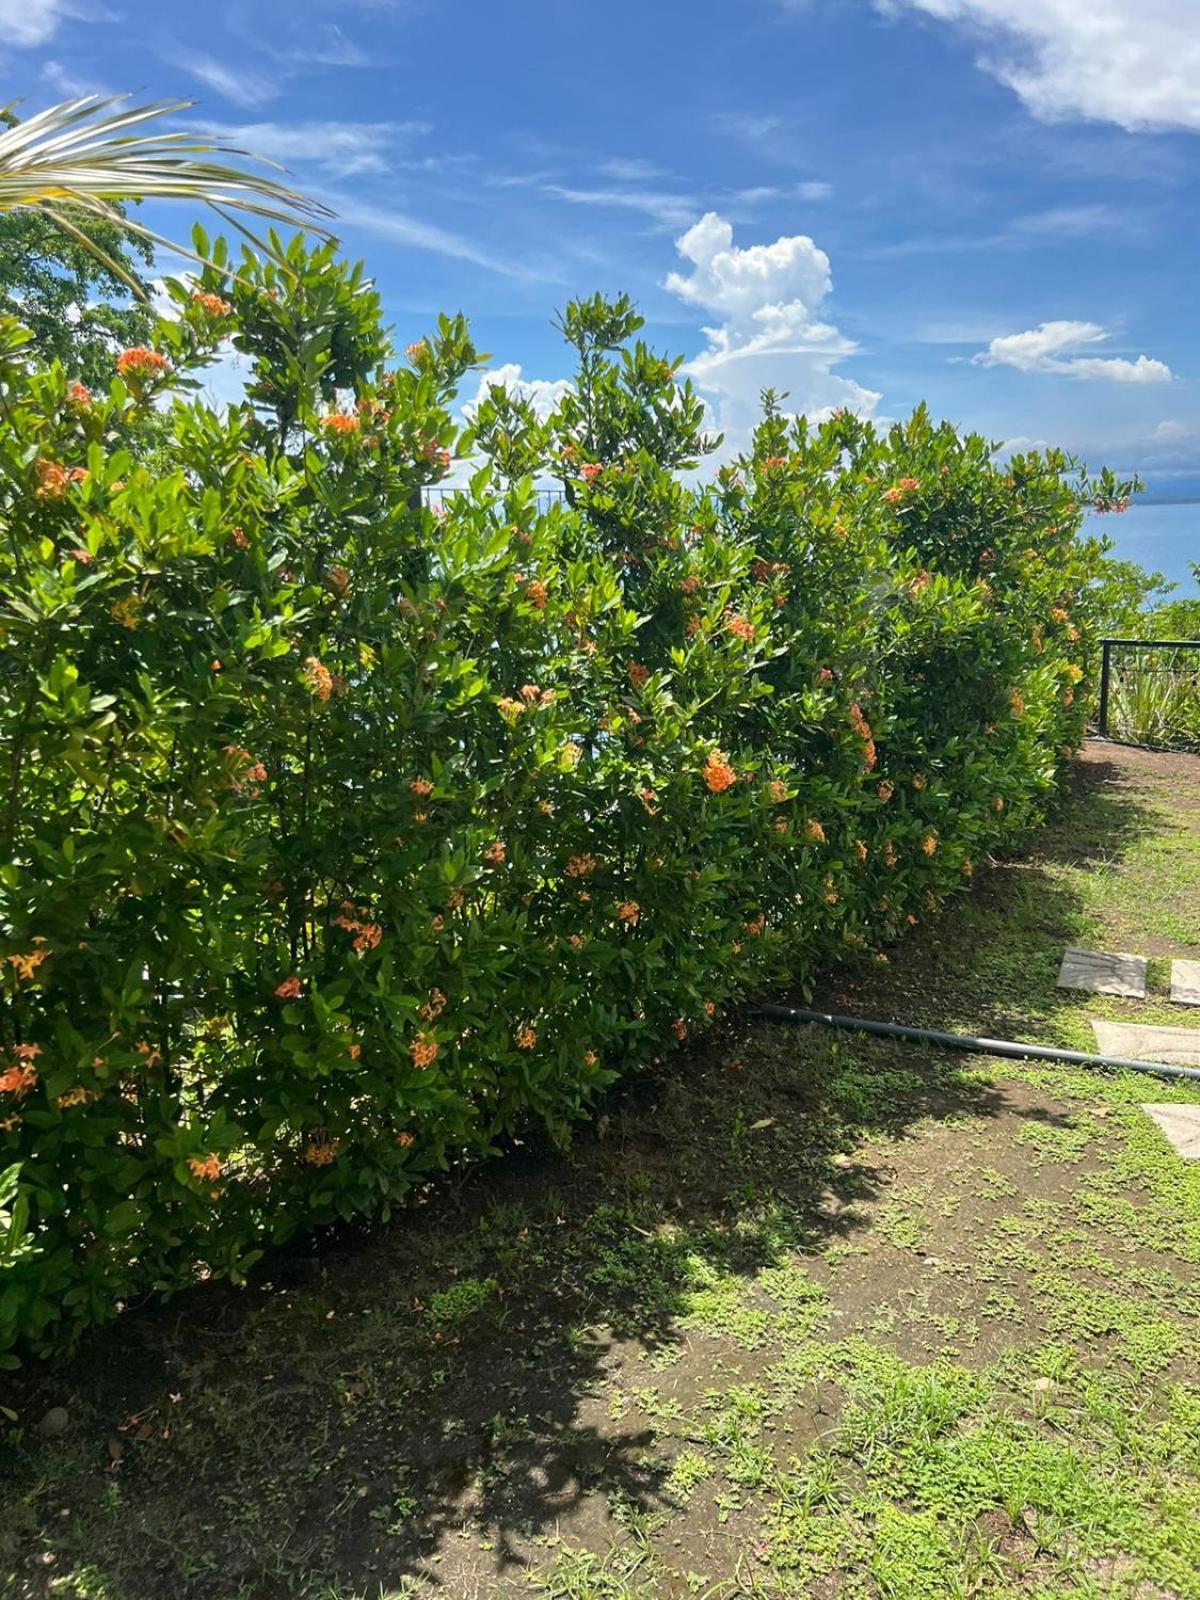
542	393
343	147
671	210
237	84
395	226
1171	432
24	24
1132	62
759	192
767	297
1054	347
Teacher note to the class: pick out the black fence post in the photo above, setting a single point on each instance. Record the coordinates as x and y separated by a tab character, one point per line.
1105	667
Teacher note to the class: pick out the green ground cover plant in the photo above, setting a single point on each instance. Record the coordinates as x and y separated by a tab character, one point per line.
343	836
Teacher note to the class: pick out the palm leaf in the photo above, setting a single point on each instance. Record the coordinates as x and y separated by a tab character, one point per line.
89	154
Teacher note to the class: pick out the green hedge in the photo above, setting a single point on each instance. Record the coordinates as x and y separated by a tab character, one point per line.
342	834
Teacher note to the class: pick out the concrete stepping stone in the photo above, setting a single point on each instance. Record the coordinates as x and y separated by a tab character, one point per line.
1185	982
1098	973
1181	1124
1174	1047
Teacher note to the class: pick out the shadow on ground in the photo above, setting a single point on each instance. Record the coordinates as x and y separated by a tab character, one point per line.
423	1401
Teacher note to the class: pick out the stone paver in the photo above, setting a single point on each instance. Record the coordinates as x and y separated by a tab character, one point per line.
1175	1047
1181	1124
1098	973
1185	982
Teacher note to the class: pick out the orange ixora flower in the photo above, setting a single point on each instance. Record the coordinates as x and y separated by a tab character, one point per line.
581	866
740	629
860	850
212	305
718	774
206	1168
421	787
756	925
710	1008
138	362
289	989
404	1140
575	940
679	1028
629	911
26	965
1017	702
637	673
319	1152
318	678
343	422
590	1059
368	937
929	844
494	852
416	352
79	394
590	471
526	1038
885	791
814	831
78	1096
434	1006
536	593
889	853
423	1050
777	791
52	479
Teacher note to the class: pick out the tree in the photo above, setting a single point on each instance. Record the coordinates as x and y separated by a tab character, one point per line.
78	310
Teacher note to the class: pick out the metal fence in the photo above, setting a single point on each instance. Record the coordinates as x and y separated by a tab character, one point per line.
1150	692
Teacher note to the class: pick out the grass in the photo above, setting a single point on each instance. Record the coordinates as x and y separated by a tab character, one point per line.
807	1315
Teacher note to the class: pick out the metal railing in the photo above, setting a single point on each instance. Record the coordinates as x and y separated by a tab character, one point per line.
1150	692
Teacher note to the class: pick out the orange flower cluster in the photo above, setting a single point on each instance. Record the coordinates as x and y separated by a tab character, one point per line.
863	729
885	791
629	911
289	989
718	774
765	571
494	852
637	674
918	583
526	1038
79	394
777	791
537	594
590	1059
78	1096
416	352
825	675
404	1140
929	844
206	1168
689	585
423	1051
889	853
212	305
138	362
740	629
679	1028
238	539
319	1152
581	866
318	678
590	471
250	774
20	1079
756	925
342	422
814	831
26	965
434	1006
421	787
1017	702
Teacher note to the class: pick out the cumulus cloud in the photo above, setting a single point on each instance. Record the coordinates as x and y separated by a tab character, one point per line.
1132	62
768	335
542	393
1055	347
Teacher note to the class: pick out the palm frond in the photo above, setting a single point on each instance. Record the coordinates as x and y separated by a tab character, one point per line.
89	154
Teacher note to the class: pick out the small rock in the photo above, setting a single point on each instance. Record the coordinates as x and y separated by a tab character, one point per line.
55	1422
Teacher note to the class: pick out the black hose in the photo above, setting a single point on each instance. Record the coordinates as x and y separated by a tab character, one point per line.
965	1041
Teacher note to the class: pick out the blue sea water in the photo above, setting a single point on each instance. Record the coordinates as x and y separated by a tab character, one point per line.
1160	537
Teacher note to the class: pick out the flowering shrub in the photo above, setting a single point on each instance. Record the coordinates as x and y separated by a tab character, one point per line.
341	835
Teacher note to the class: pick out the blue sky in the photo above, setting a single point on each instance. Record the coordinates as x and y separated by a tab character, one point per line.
988	204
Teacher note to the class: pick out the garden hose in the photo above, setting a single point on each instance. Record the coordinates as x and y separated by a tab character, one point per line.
966	1041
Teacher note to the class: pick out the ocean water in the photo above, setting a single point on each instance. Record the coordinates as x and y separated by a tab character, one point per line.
1161	538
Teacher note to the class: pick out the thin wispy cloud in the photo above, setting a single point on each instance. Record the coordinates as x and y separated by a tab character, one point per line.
345	148
668	210
240	85
26	24
384	222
